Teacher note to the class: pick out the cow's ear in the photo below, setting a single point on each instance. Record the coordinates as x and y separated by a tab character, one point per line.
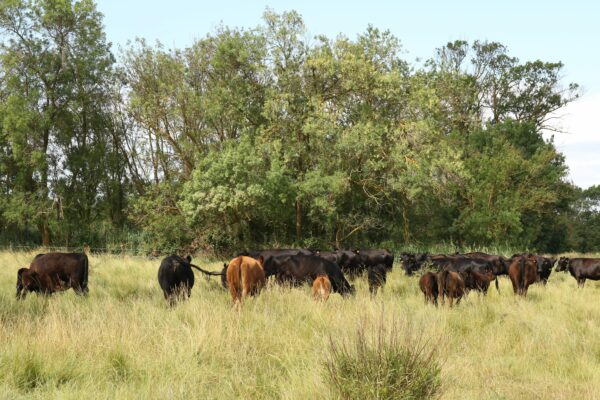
189	258
21	270
260	259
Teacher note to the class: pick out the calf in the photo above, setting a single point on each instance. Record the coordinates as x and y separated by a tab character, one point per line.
429	286
245	276
54	272
523	272
451	285
580	268
321	288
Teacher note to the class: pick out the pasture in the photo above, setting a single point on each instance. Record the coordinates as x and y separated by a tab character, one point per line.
122	341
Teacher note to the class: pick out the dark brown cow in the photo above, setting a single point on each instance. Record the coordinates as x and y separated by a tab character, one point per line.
54	272
451	285
523	271
245	276
478	281
429	287
580	268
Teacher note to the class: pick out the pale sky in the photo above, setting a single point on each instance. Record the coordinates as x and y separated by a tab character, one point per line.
564	31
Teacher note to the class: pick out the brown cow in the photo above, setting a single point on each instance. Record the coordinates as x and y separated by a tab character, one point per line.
429	287
321	288
245	276
478	281
54	272
450	284
523	271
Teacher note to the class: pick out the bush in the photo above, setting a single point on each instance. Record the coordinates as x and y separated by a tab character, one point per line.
383	365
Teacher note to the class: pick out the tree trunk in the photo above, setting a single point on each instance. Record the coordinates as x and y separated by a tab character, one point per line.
298	221
45	231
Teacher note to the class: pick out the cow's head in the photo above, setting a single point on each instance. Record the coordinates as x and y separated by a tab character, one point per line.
409	262
272	265
563	264
27	281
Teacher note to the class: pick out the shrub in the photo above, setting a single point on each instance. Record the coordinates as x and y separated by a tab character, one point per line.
385	364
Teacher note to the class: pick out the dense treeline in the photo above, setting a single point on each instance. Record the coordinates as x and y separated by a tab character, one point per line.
256	137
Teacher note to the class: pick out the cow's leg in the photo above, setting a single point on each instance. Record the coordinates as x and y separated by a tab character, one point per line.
78	288
450	300
514	285
580	282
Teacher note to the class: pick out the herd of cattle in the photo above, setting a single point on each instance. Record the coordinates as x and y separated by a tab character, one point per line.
442	276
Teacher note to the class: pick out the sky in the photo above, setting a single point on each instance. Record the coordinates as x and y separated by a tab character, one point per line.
565	31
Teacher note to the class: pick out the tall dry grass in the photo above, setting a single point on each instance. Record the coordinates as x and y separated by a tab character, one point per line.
124	342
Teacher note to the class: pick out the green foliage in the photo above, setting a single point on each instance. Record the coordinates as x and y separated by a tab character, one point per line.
253	137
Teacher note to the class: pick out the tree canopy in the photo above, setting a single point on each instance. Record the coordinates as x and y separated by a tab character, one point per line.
258	137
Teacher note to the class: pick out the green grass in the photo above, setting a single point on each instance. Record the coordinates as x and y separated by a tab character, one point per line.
124	342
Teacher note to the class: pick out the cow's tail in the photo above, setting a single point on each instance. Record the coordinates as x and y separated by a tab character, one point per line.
84	280
441	283
497	287
521	279
206	272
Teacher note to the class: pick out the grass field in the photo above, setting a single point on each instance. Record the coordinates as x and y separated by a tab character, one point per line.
123	342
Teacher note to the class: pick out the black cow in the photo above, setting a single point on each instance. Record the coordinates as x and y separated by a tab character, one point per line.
376	276
413	262
301	268
580	268
545	265
176	277
274	253
373	257
498	263
460	263
53	272
350	263
332	256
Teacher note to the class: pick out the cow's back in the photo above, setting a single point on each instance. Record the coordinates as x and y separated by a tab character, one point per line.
72	269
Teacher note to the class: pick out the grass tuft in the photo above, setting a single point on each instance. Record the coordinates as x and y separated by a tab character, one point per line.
384	363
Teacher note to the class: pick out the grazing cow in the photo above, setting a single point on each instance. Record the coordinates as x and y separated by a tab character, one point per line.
409	263
460	263
176	278
274	253
372	257
523	271
376	276
54	272
545	265
498	263
350	263
299	269
332	256
245	276
580	268
321	288
477	281
429	287
451	285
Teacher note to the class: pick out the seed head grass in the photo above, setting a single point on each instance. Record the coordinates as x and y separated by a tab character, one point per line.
124	341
